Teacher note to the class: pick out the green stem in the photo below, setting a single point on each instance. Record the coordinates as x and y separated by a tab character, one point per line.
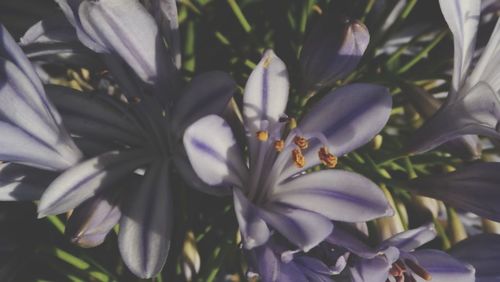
368	9
423	53
239	15
305	14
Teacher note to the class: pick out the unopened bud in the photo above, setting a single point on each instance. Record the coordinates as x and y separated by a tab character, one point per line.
332	50
90	223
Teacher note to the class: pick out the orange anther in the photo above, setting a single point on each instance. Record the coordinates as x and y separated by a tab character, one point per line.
279	145
326	158
301	142
298	158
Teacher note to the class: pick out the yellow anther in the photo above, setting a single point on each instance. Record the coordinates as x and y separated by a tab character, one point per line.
292	123
328	159
262	135
279	145
298	158
301	142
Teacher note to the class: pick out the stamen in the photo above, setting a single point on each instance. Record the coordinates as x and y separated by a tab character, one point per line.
398	269
279	145
328	159
298	158
301	142
395	270
262	135
288	256
418	270
400	264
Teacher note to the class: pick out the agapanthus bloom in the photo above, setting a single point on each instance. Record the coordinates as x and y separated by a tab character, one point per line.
396	259
272	262
274	190
473	102
129	146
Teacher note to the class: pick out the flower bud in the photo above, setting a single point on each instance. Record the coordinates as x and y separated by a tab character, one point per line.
190	257
332	50
90	222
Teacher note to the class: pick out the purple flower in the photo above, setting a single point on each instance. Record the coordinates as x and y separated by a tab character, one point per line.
396	258
473	188
272	262
473	104
137	139
126	28
274	189
332	50
483	252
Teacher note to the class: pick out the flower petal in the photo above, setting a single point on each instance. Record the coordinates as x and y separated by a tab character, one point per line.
487	69
476	112
186	170
205	94
376	270
443	267
10	51
336	194
411	239
341	237
349	117
483	252
473	188
303	228
51	30
213	152
91	106
23	183
27	117
70	10
266	92
252	227
165	13
290	272
146	224
462	18
314	268
125	27
467	146
84	180
266	263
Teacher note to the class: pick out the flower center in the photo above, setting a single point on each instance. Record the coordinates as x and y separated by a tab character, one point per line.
403	271
299	140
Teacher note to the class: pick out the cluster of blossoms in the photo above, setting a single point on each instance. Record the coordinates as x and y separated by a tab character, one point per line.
110	160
